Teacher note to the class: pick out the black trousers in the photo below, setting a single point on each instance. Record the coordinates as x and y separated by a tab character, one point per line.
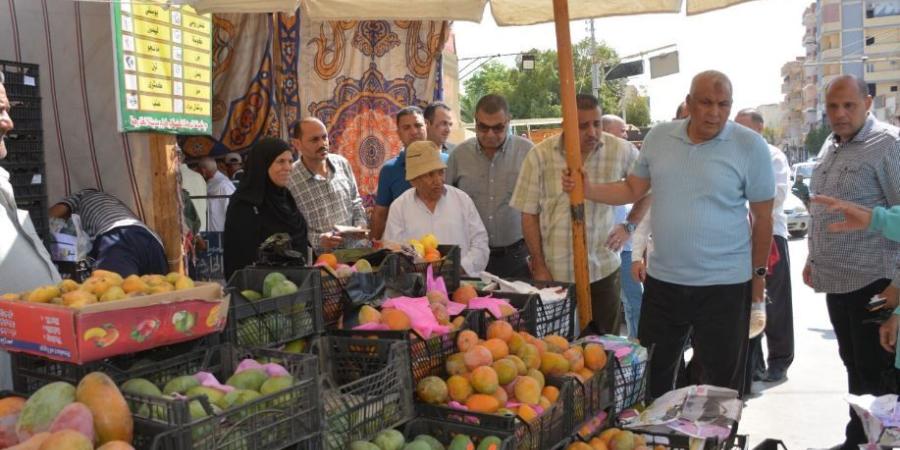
606	305
779	330
719	317
509	262
869	367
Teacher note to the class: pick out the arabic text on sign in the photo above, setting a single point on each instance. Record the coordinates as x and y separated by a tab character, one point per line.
154	49
197	24
196	74
156	104
197	91
196	41
195	57
155	86
150	66
198	108
151	12
153	30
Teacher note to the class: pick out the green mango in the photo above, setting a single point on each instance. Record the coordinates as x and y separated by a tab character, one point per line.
180	384
389	440
431	441
285	287
249	379
251	332
251	295
363	445
417	445
270	281
461	442
278	327
490	443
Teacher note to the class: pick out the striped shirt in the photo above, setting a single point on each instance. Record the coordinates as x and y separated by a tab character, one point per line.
539	191
865	171
101	212
327	201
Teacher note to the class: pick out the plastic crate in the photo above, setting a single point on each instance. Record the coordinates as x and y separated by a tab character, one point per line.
367	388
525	317
630	383
335	299
22	79
19	157
547	431
557	317
675	441
447	267
276	320
427	356
31	372
20	139
446	431
594	396
273	421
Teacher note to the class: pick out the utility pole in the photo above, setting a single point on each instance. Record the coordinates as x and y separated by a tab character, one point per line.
595	66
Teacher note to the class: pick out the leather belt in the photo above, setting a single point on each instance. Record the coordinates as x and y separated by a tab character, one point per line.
500	251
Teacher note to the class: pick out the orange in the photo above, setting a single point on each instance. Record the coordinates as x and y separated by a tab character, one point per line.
328	259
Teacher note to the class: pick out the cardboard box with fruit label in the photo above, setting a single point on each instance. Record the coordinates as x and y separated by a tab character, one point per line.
105	329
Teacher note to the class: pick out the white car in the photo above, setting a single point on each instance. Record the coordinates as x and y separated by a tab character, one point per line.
797	216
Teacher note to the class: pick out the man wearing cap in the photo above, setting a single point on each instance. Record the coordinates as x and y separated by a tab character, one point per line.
434	207
234	167
392	180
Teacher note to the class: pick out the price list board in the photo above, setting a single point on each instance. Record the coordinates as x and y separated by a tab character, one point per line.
163	67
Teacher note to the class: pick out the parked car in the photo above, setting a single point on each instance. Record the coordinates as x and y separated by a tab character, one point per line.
797	216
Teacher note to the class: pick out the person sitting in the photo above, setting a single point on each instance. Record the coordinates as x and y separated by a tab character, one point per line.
262	206
431	206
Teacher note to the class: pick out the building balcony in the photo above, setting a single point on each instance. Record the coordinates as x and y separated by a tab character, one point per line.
882	76
886	21
828	27
890	48
832	53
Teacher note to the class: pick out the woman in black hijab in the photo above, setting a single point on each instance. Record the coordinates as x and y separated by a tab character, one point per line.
262	206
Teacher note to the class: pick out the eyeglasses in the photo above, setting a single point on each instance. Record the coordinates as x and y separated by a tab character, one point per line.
484	128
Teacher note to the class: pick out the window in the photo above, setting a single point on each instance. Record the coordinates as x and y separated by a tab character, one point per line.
870	40
872	89
894	88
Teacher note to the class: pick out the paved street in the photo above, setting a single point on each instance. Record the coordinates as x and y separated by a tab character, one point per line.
808	410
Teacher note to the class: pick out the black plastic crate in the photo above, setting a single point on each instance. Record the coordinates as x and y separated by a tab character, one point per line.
276	320
278	420
427	356
31	372
16	76
447	267
525	317
446	431
19	157
556	317
20	138
675	441
547	431
367	387
594	396
335	300
630	383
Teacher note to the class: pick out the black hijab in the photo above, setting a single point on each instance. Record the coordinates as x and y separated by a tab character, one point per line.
258	189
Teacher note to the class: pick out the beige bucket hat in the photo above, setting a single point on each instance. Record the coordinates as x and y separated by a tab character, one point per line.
422	157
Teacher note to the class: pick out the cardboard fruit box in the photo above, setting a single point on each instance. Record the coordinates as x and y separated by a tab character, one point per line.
103	330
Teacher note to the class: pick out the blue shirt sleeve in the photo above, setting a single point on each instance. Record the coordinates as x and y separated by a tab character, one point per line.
760	181
383	195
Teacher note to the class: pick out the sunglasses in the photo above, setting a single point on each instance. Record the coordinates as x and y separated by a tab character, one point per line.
484	128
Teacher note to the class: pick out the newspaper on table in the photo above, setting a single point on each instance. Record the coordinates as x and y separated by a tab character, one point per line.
548	294
880	418
701	412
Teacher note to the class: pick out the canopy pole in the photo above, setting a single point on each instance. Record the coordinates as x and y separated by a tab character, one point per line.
166	194
573	159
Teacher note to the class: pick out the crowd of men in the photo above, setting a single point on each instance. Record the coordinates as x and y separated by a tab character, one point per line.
714	244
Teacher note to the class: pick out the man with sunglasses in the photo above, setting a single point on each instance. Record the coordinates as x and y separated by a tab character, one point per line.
486	167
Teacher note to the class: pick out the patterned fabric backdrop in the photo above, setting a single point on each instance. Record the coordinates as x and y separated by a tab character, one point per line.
355	75
254	79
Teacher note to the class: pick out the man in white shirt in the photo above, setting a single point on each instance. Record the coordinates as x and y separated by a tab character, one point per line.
779	329
24	261
431	206
218	188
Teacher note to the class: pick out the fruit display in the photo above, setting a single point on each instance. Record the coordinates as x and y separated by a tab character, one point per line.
425	248
272	307
329	262
103	286
62	416
391	439
615	439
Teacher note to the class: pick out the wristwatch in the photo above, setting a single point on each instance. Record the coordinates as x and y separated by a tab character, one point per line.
761	271
629	227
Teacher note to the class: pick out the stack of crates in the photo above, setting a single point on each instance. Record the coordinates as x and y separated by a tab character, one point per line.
25	144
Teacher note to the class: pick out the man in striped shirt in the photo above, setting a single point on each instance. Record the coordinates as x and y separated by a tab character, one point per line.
859	162
122	243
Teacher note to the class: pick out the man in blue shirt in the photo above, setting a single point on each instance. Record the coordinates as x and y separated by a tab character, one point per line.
708	263
392	177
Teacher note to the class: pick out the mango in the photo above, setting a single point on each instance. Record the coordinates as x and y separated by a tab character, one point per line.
623	440
484	380
363	266
213	395
520	365
528	390
238	397
112	418
368	314
112	277
432	390
478	356
461	442
68	440
389	440
42	407
134	283
554	364
556	344
498	348
490	443
482	403
78	299
433	443
506	370
10	407
67	285
141	386
500	329
275	384
43	294
75	416
251	379
466	339
116	445
112	294
537	375
183	282
594	356
530	356
180	385
459	388
363	445
456	364
34	443
417	445
270	281
395	319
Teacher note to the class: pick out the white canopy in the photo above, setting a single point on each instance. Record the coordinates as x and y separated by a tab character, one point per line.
506	12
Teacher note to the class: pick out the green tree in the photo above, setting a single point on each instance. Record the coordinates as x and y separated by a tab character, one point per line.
815	138
769	135
637	110
535	93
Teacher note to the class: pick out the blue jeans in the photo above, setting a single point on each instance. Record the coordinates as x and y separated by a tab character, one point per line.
632	291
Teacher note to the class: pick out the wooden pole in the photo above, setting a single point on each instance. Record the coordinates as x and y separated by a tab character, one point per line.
167	217
573	159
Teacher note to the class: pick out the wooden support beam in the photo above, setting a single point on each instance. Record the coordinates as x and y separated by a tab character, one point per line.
167	216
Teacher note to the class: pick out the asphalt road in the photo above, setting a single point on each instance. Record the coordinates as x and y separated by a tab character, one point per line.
808	410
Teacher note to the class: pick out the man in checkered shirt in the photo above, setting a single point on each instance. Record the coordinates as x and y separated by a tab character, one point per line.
860	162
323	185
